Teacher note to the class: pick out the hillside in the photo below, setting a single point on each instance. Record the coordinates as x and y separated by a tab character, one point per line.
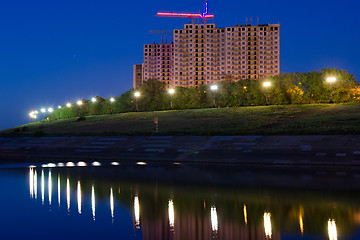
277	119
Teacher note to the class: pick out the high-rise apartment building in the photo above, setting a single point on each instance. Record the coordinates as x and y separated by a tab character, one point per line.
137	75
158	62
205	54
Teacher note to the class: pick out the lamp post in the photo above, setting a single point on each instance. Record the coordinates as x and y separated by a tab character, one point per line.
93	100
79	103
171	92
111	101
50	110
137	95
214	88
330	80
266	85
68	106
59	107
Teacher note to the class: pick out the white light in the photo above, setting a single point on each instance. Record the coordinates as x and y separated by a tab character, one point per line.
93	201
112	99
332	229
115	164
214	219
79	102
171	214
43	110
81	164
171	91
51	165
49	187
137	94
31	181
42	187
79	196
141	163
267	225
112	203
59	107
35	184
93	99
267	84
36	112
70	164
60	164
214	87
96	164
50	110
68	193
137	212
331	79
59	186
68	105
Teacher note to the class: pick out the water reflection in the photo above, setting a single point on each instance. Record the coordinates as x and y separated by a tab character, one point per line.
93	201
332	229
68	194
236	215
112	204
79	196
137	212
267	225
171	214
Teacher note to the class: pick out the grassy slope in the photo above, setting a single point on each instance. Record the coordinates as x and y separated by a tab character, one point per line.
289	119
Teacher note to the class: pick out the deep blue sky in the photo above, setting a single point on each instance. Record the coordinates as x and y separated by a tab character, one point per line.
57	51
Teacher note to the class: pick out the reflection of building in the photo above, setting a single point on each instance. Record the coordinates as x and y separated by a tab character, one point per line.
204	54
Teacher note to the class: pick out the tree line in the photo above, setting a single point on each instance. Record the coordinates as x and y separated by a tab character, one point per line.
286	88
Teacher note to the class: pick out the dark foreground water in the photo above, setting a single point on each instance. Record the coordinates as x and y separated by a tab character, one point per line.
97	202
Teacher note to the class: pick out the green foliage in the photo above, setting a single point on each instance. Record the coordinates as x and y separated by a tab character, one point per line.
286	88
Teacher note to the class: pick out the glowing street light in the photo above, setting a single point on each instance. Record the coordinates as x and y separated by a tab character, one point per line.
137	95
331	80
43	110
171	92
93	100
266	85
50	110
79	103
111	101
68	105
214	88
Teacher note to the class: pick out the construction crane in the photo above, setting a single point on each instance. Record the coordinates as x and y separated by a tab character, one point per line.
203	15
160	31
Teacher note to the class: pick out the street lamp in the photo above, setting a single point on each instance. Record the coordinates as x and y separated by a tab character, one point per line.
330	80
79	103
171	92
43	110
266	85
137	95
93	100
214	88
111	101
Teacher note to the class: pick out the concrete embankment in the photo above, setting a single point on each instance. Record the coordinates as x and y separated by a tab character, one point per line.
271	150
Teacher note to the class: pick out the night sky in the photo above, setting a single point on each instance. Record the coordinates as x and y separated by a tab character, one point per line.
56	51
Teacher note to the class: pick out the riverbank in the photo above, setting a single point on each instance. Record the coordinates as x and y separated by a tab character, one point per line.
311	119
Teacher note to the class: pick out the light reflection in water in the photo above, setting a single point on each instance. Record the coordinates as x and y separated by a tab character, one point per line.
112	203
332	231
42	187
137	212
214	219
59	185
35	184
49	187
171	214
93	201
79	196
301	221
31	182
267	225
245	214
68	194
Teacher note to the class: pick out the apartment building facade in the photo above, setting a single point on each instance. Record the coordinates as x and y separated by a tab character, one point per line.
204	54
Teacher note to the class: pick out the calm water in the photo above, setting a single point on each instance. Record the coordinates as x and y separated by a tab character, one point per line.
98	203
